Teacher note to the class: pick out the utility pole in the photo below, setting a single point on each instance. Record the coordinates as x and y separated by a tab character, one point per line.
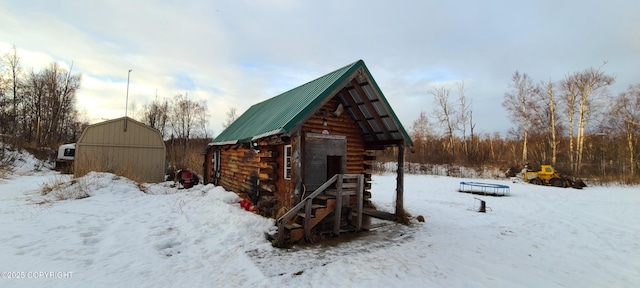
126	104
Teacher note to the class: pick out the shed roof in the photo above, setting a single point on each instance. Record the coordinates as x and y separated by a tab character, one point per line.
113	132
357	91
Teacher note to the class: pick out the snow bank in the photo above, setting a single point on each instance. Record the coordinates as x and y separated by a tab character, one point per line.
20	161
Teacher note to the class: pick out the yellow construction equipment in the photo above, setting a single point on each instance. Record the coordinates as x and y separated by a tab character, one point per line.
548	176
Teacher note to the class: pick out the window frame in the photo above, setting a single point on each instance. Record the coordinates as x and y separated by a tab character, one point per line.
288	153
69	152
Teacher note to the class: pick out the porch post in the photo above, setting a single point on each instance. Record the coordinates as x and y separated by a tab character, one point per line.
400	183
297	158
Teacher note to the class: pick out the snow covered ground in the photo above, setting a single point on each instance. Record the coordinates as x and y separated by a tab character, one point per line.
120	236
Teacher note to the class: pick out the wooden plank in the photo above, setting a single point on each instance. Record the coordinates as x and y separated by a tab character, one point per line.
292	226
350	176
359	115
281	234
338	210
360	202
297	158
325	197
302	215
371	109
349	185
400	183
334	192
318	206
307	218
267	176
379	214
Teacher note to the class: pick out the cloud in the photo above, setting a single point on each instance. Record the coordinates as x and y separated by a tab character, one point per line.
237	53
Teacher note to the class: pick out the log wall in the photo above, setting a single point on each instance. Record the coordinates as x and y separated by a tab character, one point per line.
246	171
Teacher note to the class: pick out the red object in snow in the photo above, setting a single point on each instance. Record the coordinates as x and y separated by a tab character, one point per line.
247	205
187	178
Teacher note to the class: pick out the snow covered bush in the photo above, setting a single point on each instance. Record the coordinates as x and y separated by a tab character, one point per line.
6	159
18	161
63	189
77	190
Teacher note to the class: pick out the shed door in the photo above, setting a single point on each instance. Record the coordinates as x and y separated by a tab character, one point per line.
325	156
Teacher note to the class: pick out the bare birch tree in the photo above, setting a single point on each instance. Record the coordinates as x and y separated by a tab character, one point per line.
582	88
12	61
570	94
232	115
32	110
156	115
464	114
4	102
445	113
188	118
519	102
552	122
61	86
626	116
48	115
546	114
421	130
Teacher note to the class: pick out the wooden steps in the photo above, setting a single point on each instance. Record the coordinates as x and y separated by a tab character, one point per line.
292	226
324	205
318	213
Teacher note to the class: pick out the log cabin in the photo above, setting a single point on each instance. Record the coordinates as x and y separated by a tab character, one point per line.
305	156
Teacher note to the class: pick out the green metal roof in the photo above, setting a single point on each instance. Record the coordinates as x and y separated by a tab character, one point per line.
282	113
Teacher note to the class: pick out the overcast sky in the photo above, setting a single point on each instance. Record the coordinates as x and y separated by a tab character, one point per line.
237	53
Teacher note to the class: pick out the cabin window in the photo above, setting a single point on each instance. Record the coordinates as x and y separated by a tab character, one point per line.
215	161
287	162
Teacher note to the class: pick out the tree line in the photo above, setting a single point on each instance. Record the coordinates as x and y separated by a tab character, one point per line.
176	118
183	124
38	107
573	123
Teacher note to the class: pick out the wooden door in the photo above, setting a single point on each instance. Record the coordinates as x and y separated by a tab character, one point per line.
325	156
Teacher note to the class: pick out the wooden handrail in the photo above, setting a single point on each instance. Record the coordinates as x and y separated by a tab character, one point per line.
307	201
280	222
300	205
338	208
